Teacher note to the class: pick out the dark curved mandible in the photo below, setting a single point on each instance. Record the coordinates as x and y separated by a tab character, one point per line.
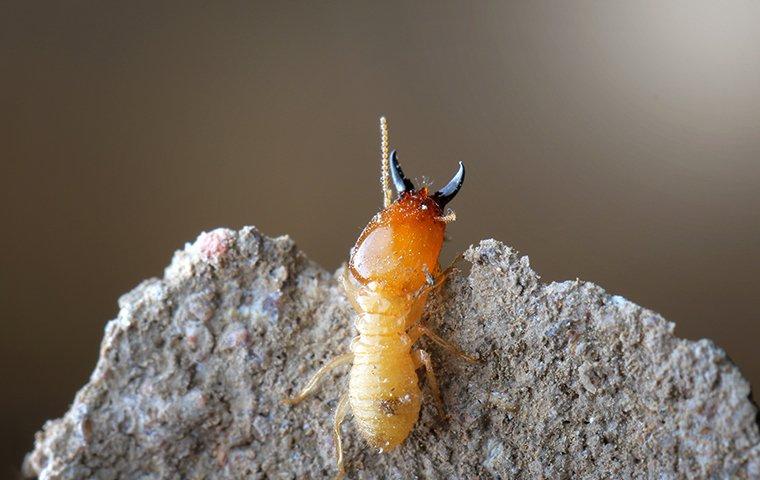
447	193
401	183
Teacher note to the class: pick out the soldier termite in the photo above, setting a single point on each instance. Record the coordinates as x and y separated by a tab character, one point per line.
392	269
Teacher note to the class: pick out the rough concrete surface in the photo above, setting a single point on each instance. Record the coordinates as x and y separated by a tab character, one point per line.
574	382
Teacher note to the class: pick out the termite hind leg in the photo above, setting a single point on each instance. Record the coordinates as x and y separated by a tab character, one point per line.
312	385
422	358
340	415
419	330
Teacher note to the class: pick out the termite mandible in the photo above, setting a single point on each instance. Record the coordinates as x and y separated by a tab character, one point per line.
392	269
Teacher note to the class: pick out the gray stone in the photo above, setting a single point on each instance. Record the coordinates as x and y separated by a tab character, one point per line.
574	382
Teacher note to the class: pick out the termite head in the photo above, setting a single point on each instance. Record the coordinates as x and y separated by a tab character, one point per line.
399	248
440	198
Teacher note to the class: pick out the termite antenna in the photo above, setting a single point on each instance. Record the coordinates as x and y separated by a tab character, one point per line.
448	218
385	176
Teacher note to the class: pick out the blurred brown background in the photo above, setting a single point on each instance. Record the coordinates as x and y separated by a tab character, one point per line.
615	143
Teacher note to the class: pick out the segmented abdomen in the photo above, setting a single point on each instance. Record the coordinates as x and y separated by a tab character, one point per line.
383	389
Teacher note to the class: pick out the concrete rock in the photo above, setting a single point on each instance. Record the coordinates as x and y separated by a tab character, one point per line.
575	383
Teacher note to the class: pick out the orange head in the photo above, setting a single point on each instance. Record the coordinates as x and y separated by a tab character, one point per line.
399	248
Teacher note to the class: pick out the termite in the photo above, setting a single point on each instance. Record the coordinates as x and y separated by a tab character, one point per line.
392	269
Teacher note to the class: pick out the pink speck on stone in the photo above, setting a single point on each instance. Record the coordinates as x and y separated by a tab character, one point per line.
213	246
240	338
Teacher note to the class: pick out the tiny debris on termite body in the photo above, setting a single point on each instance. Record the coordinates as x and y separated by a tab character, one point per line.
391	271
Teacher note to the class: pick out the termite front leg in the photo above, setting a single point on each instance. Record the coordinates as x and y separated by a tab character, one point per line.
344	359
434	283
419	330
340	414
422	358
452	266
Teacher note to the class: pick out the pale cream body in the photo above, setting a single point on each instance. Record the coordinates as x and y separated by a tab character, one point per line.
383	390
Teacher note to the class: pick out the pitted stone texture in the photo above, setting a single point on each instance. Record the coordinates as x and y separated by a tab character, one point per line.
574	383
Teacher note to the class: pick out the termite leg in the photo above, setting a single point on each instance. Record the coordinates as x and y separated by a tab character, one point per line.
448	270
351	290
435	283
340	414
419	330
422	358
344	359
